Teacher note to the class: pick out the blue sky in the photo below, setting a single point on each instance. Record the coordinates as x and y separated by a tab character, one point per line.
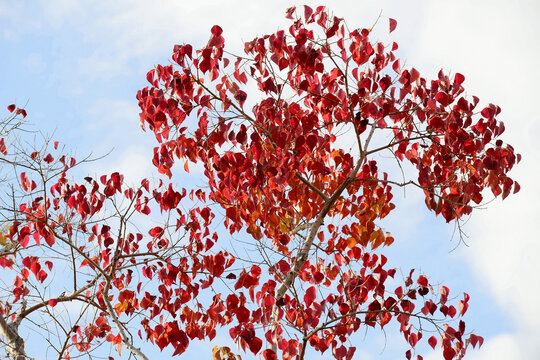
78	65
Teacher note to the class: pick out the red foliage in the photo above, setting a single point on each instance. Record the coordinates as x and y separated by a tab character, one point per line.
277	173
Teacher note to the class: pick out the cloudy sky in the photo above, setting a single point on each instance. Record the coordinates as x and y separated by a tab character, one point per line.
78	64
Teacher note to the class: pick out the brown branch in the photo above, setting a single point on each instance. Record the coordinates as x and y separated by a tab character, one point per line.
344	74
66	342
125	340
73	296
128	343
429	136
326	325
311	186
306	247
15	344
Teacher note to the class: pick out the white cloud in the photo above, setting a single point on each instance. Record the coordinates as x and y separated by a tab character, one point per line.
114	126
132	162
504	346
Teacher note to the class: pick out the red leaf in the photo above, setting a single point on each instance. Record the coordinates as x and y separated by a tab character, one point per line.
307	12
11	107
449	353
216	30
269	355
21	112
35	268
242	314
156	232
41	276
413	339
444	291
442	98
150	76
24	241
462	306
396	66
432	341
289	12
414	75
241	97
392	24
475	339
3	148
255	345
459	79
310	296
49	238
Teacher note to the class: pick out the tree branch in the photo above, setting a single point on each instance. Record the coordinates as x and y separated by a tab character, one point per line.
125	340
428	136
306	247
64	298
15	344
311	186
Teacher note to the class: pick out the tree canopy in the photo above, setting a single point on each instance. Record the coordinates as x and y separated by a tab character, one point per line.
288	139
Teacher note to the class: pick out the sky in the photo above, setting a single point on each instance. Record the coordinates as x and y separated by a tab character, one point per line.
78	64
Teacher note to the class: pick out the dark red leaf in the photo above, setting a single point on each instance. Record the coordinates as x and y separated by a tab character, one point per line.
422	281
255	345
269	355
475	339
21	112
396	66
308	11
310	296
449	353
392	24
3	149
156	232
216	30
459	79
432	341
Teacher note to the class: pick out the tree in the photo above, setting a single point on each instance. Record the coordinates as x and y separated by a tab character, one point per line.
295	180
